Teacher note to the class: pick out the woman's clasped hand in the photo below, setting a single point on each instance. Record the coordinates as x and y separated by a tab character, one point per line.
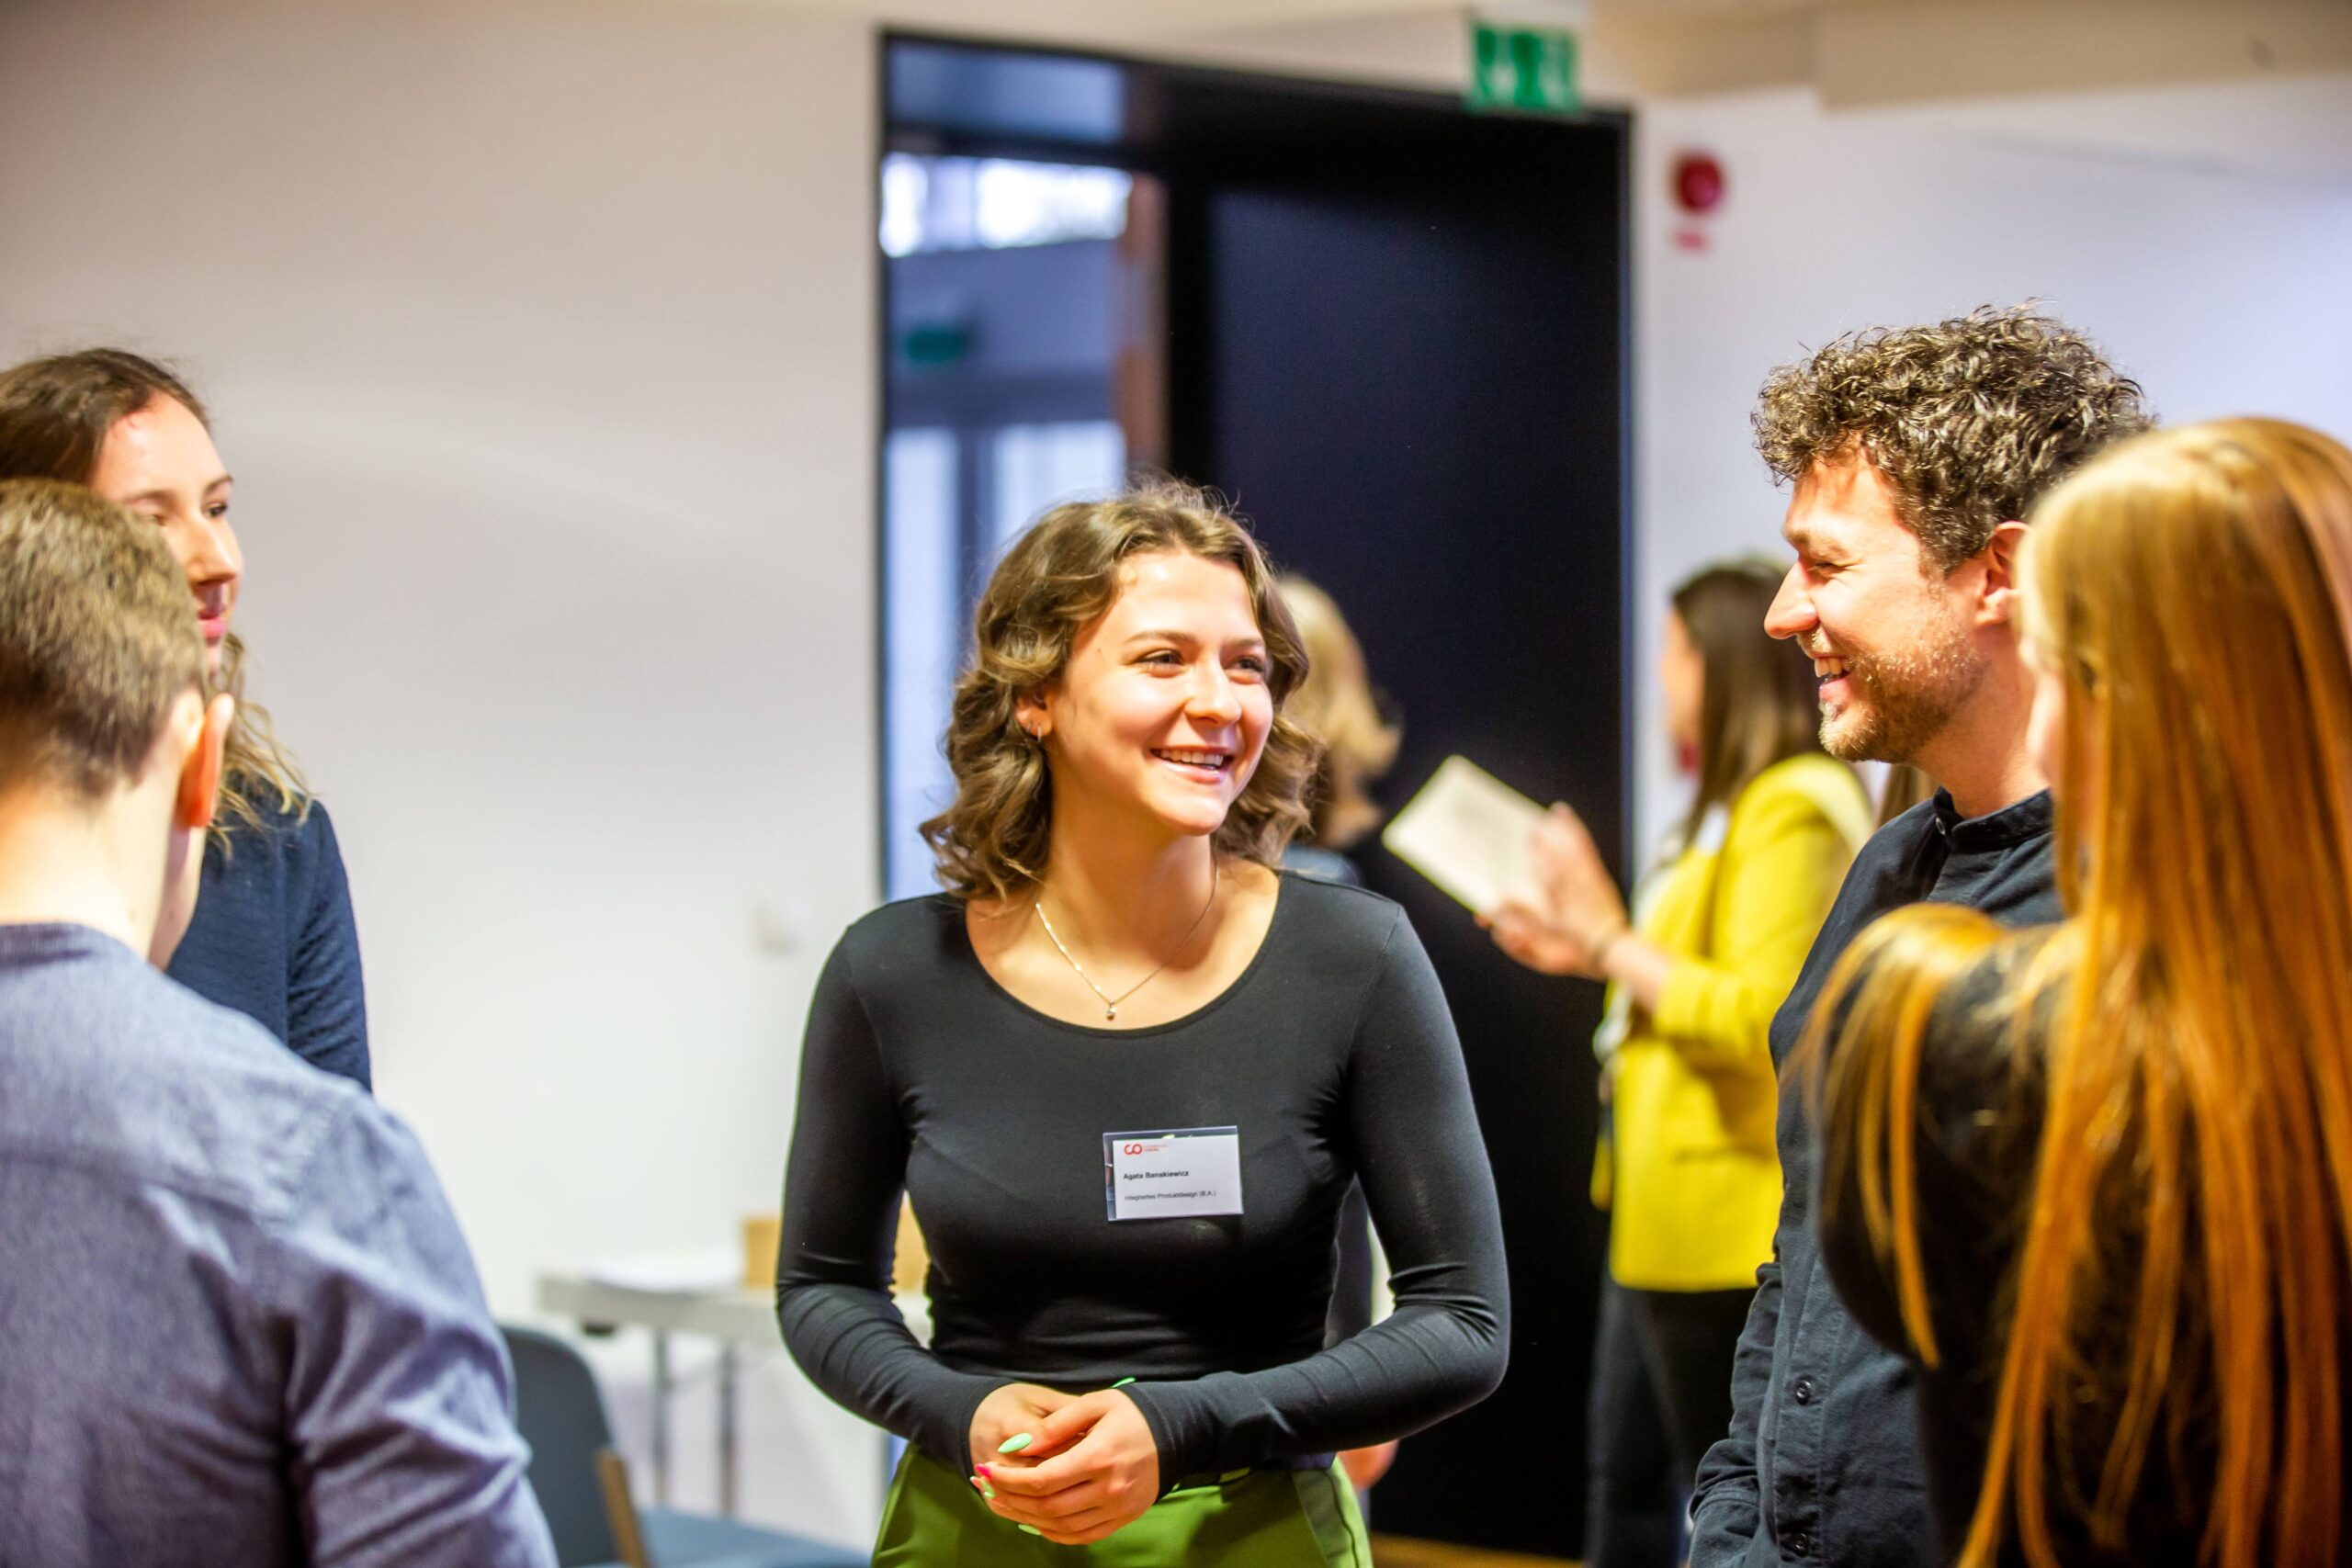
1090	1465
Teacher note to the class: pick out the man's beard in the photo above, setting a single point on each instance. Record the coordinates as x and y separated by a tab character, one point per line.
1908	697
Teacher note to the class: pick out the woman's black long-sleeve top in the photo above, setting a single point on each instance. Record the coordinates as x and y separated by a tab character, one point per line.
1981	1098
1334	1056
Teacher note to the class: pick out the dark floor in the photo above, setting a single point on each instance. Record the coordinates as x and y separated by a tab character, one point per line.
1402	1551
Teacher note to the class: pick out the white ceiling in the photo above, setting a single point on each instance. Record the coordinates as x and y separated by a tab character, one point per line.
1102	19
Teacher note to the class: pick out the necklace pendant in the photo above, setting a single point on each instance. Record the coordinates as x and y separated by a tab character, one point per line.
1110	1012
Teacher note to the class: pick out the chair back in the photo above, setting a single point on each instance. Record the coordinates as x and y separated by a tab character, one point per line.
561	1412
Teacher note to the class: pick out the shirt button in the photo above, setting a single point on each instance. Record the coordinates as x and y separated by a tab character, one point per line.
1801	1391
1799	1544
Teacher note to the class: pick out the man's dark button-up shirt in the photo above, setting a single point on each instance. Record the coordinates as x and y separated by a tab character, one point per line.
1822	1465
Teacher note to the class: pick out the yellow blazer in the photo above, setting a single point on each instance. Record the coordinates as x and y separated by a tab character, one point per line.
1691	1175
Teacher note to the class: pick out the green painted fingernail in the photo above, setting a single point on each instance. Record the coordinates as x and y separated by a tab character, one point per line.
1030	1530
1014	1444
1123	1383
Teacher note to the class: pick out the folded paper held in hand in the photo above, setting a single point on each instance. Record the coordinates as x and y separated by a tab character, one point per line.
1469	832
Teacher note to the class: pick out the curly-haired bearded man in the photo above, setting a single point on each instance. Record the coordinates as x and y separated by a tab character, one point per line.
1914	455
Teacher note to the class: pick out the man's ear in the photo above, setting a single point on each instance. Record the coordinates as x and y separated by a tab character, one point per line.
1997	603
199	786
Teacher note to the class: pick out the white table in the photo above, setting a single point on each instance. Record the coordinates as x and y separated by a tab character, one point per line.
732	1315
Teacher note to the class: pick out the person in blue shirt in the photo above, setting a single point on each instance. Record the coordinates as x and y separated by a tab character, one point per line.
274	936
238	1323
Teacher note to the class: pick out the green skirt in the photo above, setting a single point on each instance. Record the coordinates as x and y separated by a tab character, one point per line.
1248	1518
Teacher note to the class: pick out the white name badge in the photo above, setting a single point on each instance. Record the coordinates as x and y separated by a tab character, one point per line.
1172	1175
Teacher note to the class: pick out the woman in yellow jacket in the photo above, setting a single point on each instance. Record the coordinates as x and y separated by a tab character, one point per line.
1718	930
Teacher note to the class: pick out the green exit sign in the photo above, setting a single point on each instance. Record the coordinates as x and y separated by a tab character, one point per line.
1523	68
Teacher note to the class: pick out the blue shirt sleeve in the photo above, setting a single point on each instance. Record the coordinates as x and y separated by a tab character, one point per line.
400	1399
326	996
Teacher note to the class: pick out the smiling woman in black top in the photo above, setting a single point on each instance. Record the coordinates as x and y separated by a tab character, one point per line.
1128	1325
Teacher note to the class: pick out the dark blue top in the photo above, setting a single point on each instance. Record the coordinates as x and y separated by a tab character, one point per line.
1822	1464
273	938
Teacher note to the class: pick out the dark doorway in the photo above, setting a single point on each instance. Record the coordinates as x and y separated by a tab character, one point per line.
1396	334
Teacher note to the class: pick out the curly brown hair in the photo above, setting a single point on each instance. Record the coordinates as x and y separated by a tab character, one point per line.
1054	582
1970	420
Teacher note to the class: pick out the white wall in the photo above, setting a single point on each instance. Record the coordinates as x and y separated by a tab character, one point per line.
2220	293
541	336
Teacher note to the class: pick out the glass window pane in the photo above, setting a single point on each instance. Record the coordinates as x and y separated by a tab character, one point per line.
922	614
1037	466
905	183
965	204
1038	204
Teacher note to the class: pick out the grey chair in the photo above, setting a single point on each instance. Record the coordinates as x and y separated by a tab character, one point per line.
582	1486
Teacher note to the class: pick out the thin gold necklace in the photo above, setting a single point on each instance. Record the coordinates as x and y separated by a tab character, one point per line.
1110	1002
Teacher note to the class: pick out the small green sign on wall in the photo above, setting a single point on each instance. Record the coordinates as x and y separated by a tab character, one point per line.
1523	68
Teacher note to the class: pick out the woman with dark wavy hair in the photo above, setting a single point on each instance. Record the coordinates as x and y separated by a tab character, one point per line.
1126	1070
273	935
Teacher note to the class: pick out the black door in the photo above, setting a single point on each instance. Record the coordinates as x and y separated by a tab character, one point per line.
1397	338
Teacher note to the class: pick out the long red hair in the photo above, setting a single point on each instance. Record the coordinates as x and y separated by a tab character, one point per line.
2184	1283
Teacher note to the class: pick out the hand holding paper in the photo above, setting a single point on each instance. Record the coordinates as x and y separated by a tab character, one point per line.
1568	929
1536	878
1467	832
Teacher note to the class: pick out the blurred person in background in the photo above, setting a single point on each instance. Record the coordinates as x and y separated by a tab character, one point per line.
274	936
1335	705
1903	787
2091	1180
1687	1170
